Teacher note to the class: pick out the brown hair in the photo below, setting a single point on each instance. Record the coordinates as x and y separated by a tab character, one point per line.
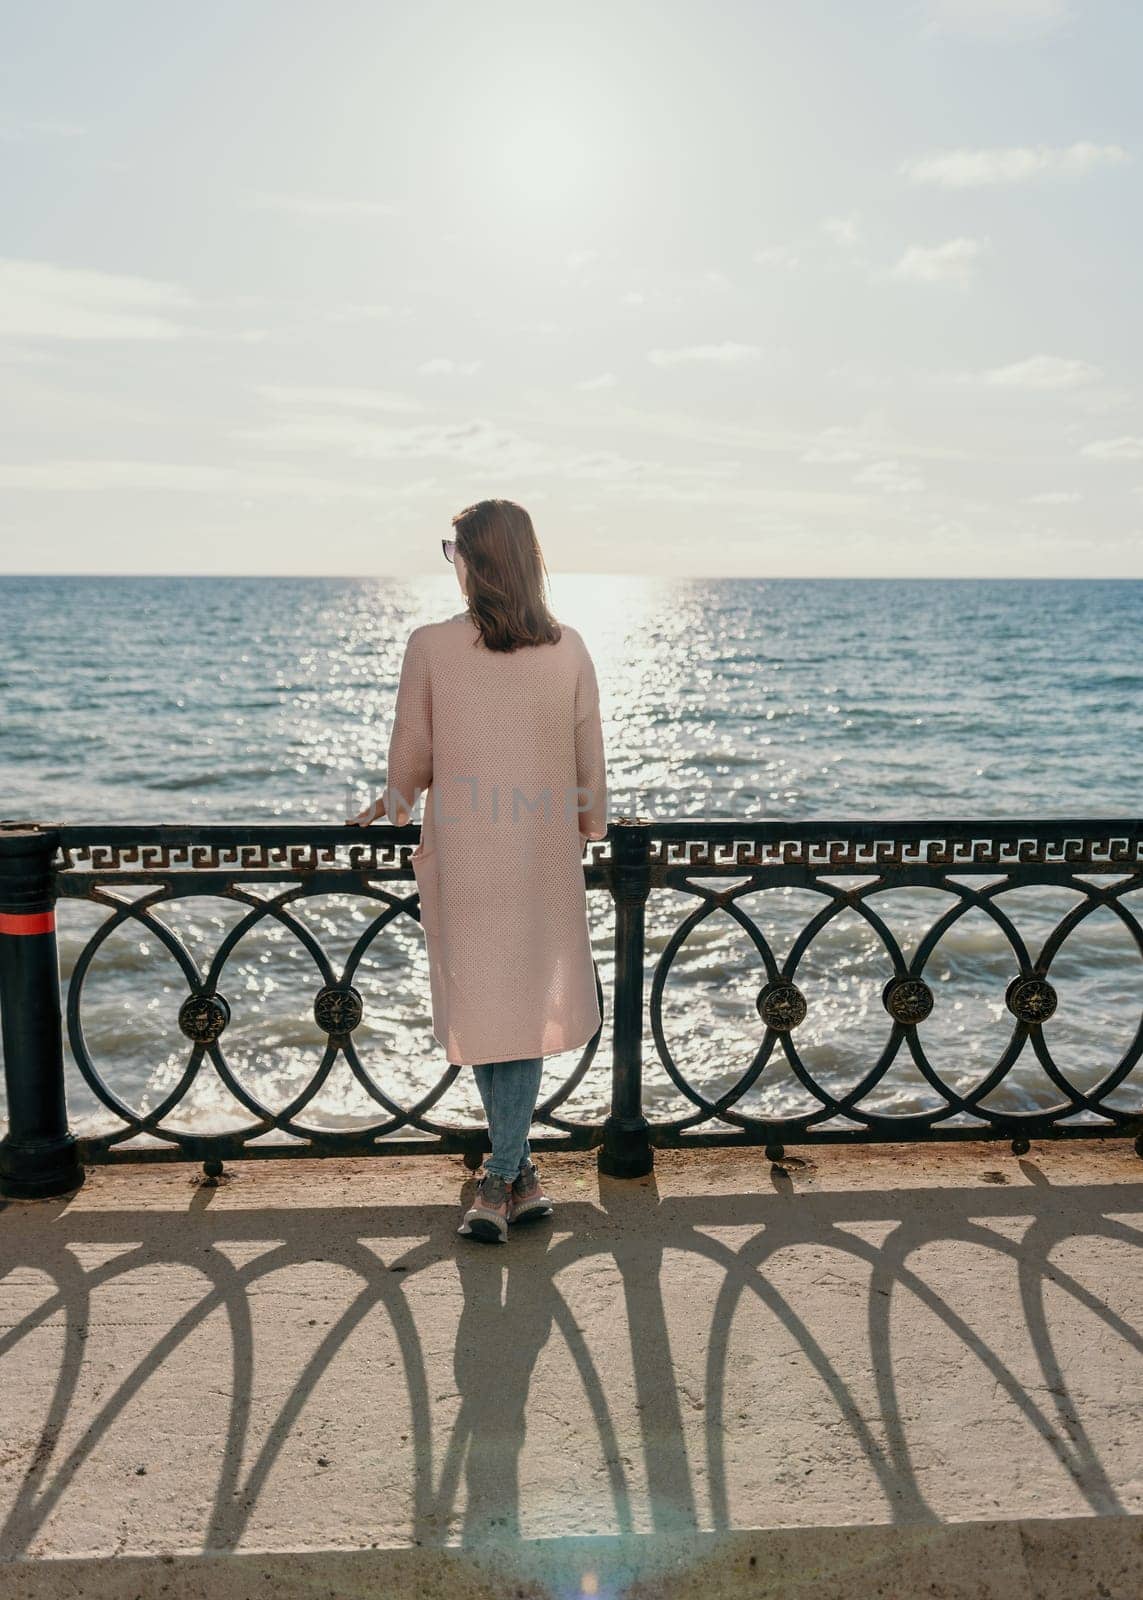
506	575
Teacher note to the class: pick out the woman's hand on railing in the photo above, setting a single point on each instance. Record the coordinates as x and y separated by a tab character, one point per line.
374	810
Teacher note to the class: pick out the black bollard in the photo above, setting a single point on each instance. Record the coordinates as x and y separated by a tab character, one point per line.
626	1150
38	1155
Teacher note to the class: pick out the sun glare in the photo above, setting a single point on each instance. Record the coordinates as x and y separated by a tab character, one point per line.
544	156
547	153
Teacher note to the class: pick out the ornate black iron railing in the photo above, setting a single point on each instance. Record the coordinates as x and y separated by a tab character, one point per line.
269	870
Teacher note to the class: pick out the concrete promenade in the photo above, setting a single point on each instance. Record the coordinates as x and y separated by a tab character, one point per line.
890	1371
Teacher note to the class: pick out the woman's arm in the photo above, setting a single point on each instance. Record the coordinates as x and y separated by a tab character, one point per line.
410	768
590	763
410	765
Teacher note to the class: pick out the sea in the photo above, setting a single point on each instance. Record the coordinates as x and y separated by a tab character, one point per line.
250	699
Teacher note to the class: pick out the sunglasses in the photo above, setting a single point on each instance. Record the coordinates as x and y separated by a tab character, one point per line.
449	548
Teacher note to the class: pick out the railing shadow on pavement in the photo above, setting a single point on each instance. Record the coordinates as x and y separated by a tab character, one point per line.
658	1257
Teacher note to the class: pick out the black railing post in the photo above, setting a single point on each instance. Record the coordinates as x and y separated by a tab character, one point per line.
626	1150
38	1155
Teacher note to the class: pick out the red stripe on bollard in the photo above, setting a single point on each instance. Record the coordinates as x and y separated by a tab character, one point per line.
32	922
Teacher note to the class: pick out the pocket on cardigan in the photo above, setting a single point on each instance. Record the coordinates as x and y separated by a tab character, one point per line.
424	864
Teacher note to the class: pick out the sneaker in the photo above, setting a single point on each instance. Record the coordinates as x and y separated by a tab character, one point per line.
487	1217
528	1199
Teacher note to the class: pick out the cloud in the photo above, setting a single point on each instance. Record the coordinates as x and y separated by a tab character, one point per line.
951	262
777	255
95	476
479	443
1043	372
971	169
1099	401
605	380
707	485
326	206
656	296
1125	448
41	300
476	442
726	354
446	367
996	19
40	128
891	477
835	446
308	395
485	445
1053	497
609	466
495	450
842	230
688	429
366	313
859	377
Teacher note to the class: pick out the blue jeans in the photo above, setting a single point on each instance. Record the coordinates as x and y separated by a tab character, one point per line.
509	1090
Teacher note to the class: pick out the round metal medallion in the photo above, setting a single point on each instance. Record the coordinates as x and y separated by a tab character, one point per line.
781	1005
907	1000
338	1009
202	1017
1030	999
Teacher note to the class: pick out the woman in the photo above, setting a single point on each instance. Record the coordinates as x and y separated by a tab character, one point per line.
497	722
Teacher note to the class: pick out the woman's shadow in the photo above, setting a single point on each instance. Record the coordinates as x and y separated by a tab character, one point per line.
508	1313
513	1301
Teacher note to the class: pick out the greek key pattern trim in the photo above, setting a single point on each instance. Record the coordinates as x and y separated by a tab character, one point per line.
1099	853
289	860
713	846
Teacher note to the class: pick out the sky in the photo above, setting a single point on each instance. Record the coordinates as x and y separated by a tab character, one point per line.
770	289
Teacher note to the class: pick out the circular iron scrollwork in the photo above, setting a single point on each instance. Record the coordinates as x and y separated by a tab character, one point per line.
1030	999
907	1000
202	1017
781	1005
338	1009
